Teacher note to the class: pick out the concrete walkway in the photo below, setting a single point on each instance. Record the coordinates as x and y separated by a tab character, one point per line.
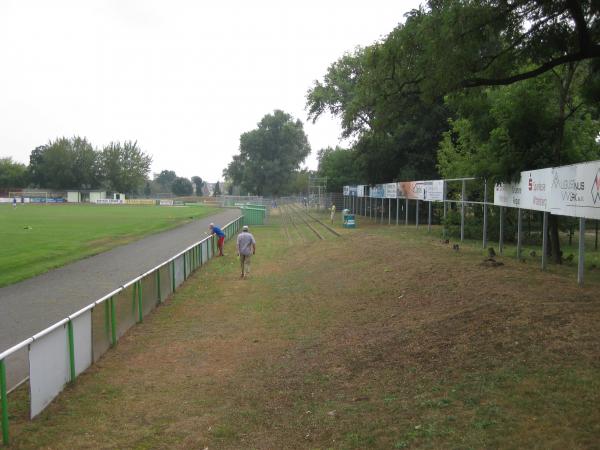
36	303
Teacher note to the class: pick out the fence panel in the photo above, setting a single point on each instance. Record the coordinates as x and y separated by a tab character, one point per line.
126	310
149	293
165	281
205	251
82	339
100	329
48	368
178	270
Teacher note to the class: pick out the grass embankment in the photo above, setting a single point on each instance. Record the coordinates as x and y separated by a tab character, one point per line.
37	238
384	338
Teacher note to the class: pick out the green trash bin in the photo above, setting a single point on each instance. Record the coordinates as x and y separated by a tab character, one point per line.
349	221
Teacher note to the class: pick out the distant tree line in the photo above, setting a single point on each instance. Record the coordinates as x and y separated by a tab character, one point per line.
74	163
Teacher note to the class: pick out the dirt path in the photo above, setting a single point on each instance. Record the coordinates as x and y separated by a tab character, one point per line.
34	304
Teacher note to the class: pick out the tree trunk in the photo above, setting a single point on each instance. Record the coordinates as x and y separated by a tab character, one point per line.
554	247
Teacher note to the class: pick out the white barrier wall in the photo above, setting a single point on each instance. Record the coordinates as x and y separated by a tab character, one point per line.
179	277
48	368
82	338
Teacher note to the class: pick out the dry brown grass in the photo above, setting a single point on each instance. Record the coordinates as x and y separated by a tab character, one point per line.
383	338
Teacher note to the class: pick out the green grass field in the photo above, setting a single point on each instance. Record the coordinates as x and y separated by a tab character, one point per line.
36	238
384	338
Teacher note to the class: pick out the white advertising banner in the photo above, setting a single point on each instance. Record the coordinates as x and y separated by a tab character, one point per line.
360	191
575	190
507	194
535	189
413	190
109	201
48	368
433	190
391	190
346	190
377	191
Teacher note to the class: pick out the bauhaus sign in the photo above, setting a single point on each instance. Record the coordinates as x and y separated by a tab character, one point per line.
575	190
566	191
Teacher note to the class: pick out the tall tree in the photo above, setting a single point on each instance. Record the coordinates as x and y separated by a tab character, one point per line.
166	178
125	166
199	183
217	190
340	167
182	186
269	155
12	174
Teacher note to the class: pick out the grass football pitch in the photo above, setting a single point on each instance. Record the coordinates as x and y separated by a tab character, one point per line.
37	238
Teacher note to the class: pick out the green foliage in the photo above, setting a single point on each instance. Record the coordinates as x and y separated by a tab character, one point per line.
65	163
165	179
124	166
182	187
217	190
499	132
269	155
12	174
199	183
339	166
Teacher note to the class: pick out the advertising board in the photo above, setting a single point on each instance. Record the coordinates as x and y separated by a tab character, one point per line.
360	190
377	191
433	190
575	190
390	190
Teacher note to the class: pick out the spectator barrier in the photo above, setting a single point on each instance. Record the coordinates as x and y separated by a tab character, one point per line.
58	354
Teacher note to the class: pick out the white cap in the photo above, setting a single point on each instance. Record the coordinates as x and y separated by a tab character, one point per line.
211	225
245	228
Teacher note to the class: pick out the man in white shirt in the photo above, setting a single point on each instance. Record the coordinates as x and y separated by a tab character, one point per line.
246	247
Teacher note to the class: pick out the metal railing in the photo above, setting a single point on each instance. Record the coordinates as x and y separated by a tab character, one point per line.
59	353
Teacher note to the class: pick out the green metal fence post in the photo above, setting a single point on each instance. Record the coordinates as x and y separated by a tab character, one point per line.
107	318
184	265
173	275
113	321
158	285
139	292
4	396
71	350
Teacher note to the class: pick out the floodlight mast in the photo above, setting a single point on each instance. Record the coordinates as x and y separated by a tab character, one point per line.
317	188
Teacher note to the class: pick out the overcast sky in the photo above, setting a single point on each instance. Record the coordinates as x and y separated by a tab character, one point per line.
183	78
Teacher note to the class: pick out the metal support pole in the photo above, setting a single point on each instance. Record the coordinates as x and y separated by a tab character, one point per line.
581	256
158	285
382	208
389	211
71	350
417	214
501	237
139	293
185	265
429	218
397	209
462	210
406	211
173	276
519	231
107	318
445	231
485	214
113	321
544	240
4	398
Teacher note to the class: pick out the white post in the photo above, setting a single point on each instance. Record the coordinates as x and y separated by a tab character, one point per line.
581	258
